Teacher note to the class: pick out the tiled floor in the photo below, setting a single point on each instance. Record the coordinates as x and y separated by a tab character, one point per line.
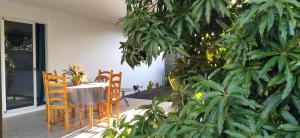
33	125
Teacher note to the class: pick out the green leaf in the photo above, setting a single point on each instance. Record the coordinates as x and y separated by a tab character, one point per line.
262	25
235	134
168	4
230	76
279	9
270	104
291	28
179	28
298	83
185	130
221	115
232	66
270	19
189	20
264	6
271	62
242	127
283	31
248	15
289	117
182	51
289	127
296	102
207	11
213	85
282	61
197	11
212	105
211	75
258	54
162	43
209	95
222	8
277	79
294	3
290	79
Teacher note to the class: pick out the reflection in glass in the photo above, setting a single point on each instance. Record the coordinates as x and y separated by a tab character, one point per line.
18	64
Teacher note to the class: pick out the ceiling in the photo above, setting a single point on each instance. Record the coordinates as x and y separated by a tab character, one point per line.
103	10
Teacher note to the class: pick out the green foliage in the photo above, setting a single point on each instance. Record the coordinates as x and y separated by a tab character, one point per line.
141	125
147	123
238	74
157	85
119	129
185	124
178	95
150	86
169	27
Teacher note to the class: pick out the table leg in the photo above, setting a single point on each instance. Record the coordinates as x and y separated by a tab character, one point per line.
126	101
80	116
123	98
91	116
73	112
85	111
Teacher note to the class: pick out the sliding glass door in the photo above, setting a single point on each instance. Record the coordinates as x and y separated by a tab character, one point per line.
18	64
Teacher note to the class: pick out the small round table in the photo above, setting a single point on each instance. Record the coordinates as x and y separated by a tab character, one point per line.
87	95
123	90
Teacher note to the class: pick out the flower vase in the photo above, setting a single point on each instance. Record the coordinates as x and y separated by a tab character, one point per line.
76	83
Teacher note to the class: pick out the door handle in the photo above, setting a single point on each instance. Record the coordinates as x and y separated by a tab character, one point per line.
34	69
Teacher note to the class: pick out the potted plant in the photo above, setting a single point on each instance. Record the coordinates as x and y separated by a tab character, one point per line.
136	89
76	80
77	73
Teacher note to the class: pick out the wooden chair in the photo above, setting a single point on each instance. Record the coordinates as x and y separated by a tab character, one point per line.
54	80
58	111
57	99
115	91
54	73
113	98
103	76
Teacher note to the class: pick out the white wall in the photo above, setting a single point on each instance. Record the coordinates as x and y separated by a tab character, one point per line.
78	40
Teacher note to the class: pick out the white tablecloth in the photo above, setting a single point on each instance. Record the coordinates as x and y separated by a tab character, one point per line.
87	94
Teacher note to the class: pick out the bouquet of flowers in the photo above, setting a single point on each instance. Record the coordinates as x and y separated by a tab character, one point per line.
77	73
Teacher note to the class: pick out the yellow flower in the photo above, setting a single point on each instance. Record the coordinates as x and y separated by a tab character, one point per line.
198	95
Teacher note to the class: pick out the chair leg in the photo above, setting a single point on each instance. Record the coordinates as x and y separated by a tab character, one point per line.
67	122
49	115
118	110
57	116
46	113
61	116
73	112
99	110
111	109
108	111
91	110
80	116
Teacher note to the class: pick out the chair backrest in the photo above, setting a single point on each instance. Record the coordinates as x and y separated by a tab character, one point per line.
103	76
55	89
114	87
51	73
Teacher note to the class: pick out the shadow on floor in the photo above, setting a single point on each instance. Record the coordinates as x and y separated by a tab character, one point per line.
33	125
155	92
